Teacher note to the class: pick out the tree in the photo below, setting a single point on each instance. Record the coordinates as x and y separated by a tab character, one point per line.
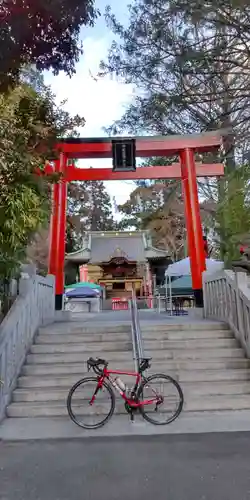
89	209
165	221
157	206
224	13
30	124
38	251
182	86
97	214
192	73
42	32
235	209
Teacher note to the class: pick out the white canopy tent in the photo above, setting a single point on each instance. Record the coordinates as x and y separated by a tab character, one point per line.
182	268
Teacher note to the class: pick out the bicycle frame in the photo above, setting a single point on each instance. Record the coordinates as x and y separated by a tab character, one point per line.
131	402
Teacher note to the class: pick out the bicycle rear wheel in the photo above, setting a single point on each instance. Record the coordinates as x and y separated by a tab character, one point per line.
170	399
82	412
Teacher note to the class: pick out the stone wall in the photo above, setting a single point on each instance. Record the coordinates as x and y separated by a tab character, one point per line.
34	307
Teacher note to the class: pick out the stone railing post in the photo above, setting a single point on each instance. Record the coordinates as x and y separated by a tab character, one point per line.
240	281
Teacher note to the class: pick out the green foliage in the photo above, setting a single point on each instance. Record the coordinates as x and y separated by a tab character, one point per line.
30	124
89	209
234	209
71	274
22	212
41	32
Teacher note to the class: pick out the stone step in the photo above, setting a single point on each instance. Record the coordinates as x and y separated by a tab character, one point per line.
65	338
102	328
185	326
225	364
197	404
190	344
219	403
78	345
190	390
79	357
118	357
72	328
84	337
69	379
58	409
55	428
187	334
82	347
199	353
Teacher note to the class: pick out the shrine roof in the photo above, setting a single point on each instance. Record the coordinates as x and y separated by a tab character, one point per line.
101	247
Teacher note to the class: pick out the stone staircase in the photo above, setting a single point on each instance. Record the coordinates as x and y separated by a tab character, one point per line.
207	361
57	360
203	356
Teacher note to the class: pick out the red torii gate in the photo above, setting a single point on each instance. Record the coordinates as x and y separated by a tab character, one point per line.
186	170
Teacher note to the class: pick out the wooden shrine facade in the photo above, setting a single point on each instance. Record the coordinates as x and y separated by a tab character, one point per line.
119	261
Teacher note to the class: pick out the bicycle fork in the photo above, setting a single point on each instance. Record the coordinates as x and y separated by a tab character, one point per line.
98	387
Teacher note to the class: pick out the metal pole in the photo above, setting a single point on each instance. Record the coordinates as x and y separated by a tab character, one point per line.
170	296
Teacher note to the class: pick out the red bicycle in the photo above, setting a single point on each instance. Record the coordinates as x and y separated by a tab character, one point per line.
98	395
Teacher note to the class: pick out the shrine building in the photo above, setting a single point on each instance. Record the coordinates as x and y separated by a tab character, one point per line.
119	261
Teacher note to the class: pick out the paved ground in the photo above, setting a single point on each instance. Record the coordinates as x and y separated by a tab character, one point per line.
201	467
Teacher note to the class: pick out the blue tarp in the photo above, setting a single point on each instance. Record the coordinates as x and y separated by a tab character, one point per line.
82	292
179	286
182	282
84	283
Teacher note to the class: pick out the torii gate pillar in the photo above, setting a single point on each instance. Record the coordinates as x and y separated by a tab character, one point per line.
195	241
58	230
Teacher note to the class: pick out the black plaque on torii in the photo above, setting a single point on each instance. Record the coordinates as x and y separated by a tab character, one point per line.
124	155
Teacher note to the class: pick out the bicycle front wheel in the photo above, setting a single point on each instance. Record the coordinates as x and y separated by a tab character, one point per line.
166	396
80	409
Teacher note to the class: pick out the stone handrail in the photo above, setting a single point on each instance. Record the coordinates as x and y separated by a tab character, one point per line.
33	308
227	298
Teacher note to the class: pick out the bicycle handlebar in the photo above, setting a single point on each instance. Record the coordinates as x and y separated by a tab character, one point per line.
95	363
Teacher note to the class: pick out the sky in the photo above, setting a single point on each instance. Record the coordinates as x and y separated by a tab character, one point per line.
99	102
